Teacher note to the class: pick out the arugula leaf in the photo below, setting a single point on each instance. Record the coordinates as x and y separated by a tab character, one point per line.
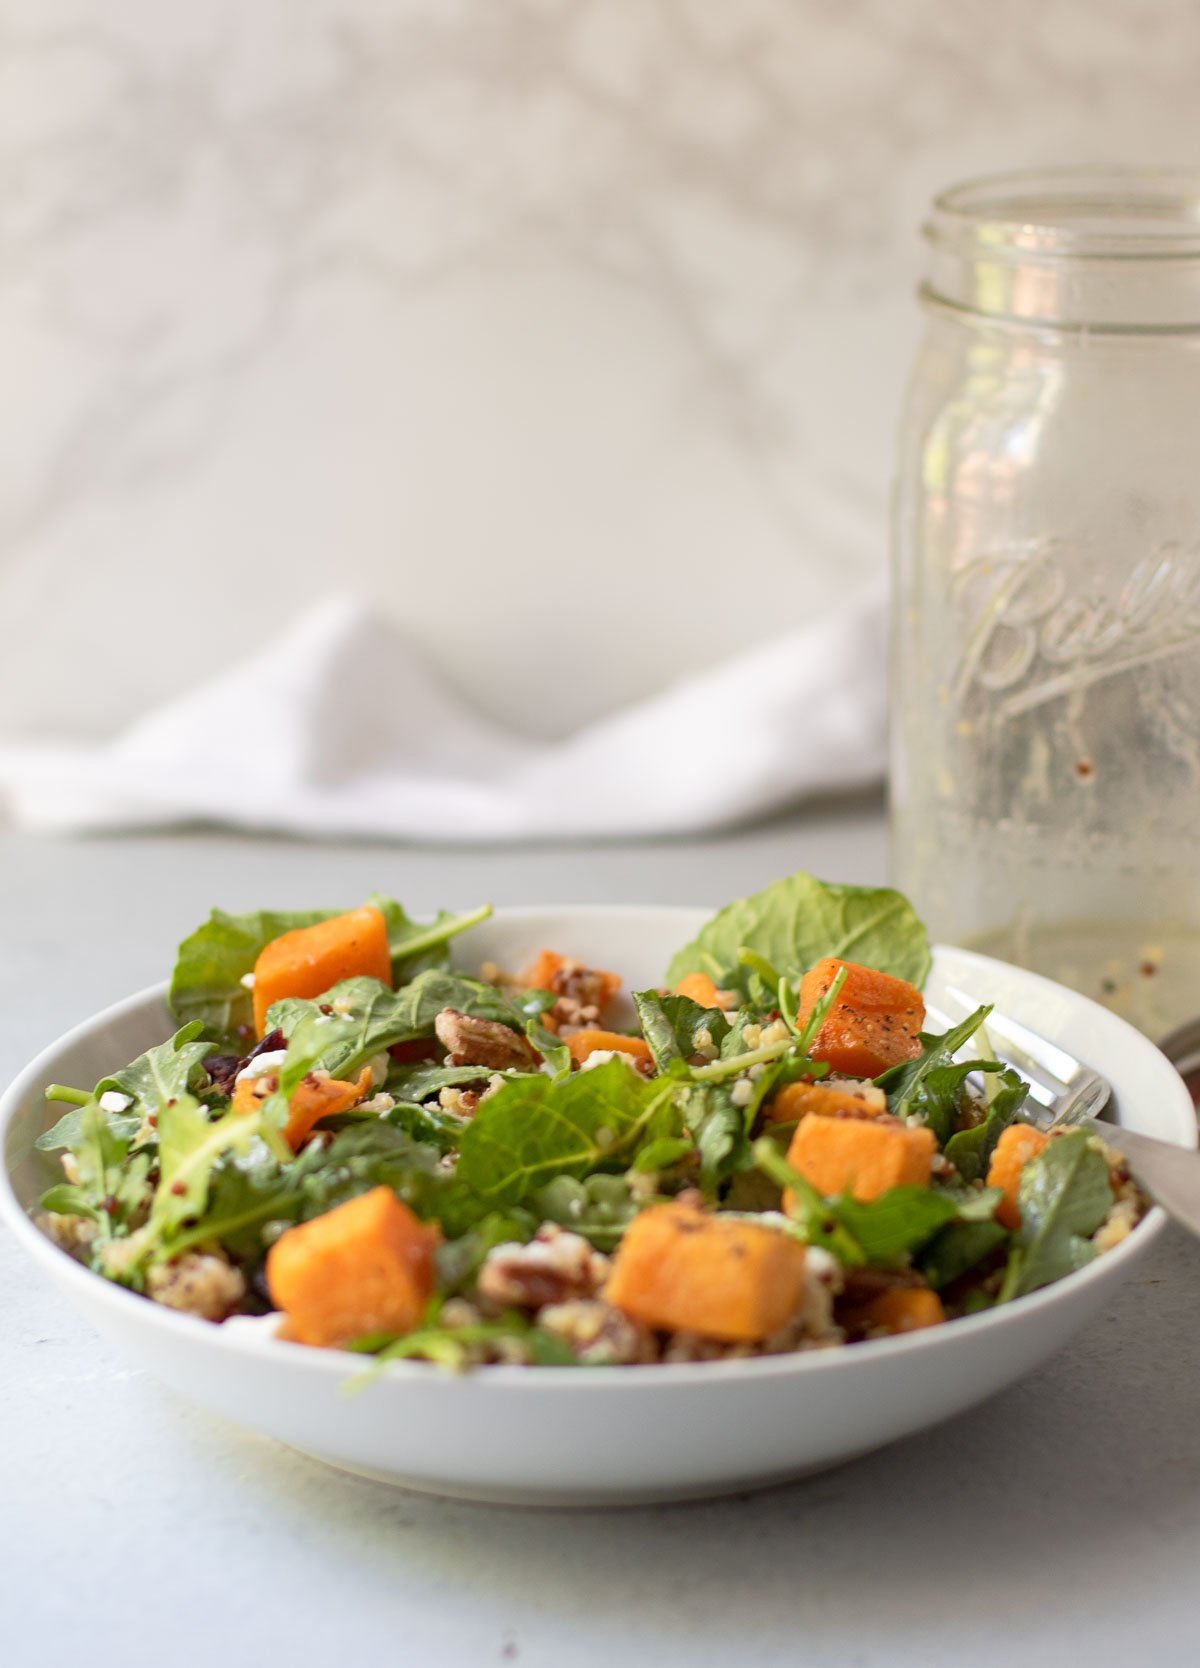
720	1130
958	1248
159	1075
531	1005
929	1087
670	1023
65	1199
252	1188
1063	1197
212	961
535	1128
162	1074
189	1146
970	1151
68	1132
112	1187
795	922
898	1223
453	1348
875	1231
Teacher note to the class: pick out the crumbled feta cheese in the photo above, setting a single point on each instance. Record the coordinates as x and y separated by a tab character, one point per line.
378	1065
776	1032
742	1092
263	1063
601	1057
342	1005
752	1035
247	980
112	1100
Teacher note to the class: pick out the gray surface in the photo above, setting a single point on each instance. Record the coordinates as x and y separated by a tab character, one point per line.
1058	1523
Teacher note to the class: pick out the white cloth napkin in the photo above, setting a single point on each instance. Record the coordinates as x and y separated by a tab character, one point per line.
335	748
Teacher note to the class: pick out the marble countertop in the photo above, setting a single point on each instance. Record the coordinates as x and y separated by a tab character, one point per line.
1058	1522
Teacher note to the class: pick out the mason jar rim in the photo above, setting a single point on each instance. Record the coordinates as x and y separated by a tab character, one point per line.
1076	213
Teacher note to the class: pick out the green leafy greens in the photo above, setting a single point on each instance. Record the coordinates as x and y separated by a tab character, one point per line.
797	921
1063	1197
212	962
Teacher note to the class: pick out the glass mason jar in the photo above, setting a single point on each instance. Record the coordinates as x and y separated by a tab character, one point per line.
1045	756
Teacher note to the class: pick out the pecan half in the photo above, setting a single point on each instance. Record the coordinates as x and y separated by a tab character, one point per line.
482	1042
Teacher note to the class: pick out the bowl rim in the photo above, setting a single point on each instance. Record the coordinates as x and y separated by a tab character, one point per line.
248	1337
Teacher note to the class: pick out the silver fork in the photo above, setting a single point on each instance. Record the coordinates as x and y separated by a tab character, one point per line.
1066	1094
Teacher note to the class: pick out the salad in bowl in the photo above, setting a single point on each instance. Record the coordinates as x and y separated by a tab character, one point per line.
766	1153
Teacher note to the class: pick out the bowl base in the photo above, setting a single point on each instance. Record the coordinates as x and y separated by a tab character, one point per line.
577	1500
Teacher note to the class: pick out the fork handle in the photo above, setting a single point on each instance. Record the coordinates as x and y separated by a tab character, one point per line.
1170	1174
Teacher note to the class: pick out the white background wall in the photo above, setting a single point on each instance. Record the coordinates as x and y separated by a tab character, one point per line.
573	331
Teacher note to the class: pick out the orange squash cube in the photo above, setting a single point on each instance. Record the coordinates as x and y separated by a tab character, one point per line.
700	988
366	1266
906	1309
796	1100
308	960
583	1043
315	1097
1016	1146
874	1023
864	1157
684	1270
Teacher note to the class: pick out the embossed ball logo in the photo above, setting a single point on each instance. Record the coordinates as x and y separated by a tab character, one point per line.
1032	630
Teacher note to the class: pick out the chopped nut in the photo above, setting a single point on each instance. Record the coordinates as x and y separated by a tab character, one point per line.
581	994
554	1267
482	1042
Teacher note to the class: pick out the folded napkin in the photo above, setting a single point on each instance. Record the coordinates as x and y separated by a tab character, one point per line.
339	752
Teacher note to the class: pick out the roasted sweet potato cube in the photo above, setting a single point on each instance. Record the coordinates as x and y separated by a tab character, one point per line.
906	1309
874	1023
700	988
583	1043
679	1269
307	961
863	1157
315	1097
319	1096
366	1266
833	1100
1016	1146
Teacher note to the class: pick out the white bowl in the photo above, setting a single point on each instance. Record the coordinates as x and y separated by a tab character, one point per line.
583	1436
